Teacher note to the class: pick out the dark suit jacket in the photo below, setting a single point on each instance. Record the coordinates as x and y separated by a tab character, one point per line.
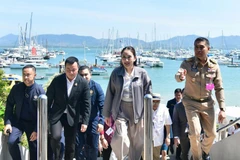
170	105
77	104
179	121
97	102
15	102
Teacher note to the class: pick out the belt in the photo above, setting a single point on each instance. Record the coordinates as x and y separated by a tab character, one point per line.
201	100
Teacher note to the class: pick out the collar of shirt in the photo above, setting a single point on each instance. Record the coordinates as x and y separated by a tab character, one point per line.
129	75
197	62
28	88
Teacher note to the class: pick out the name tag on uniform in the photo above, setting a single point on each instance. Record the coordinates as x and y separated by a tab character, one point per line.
109	131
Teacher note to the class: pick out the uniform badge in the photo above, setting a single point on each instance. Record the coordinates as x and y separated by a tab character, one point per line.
91	92
194	68
211	70
35	98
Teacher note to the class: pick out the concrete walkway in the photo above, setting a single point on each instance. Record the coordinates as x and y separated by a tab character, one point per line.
170	157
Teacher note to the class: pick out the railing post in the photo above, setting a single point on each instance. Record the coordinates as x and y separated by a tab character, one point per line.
42	123
219	136
148	140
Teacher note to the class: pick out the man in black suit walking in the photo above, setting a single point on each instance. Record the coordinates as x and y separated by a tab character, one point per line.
180	130
170	105
69	106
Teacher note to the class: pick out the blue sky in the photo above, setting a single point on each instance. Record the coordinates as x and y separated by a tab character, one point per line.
127	17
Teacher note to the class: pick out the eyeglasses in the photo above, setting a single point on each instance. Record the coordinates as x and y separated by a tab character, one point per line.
26	95
156	102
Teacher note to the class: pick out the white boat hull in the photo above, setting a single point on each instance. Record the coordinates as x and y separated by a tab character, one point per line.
21	65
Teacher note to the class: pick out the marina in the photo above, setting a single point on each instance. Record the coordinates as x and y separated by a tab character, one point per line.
162	77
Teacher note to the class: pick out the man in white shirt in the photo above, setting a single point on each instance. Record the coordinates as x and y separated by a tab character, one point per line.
231	129
161	117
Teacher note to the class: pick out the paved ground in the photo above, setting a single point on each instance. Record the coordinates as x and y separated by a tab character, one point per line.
170	157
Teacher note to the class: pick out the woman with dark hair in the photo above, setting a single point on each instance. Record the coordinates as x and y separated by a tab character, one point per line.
124	101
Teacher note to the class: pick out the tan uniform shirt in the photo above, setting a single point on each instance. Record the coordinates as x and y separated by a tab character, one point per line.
198	76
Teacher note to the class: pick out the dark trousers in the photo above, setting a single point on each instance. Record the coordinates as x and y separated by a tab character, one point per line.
86	145
14	138
106	153
185	147
70	136
178	152
50	152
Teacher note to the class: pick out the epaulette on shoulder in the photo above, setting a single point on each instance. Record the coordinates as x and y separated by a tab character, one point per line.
213	61
190	59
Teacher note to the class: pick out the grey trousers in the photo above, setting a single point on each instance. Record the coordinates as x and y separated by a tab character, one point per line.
127	141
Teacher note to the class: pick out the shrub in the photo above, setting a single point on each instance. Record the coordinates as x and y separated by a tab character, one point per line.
4	91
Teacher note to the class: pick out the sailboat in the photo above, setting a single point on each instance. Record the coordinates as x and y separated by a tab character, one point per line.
95	69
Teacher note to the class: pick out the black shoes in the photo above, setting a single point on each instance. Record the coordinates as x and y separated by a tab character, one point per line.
205	156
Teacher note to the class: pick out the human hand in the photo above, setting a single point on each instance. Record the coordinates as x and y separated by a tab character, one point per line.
104	143
167	141
100	128
100	147
33	136
83	128
176	141
108	121
182	73
221	116
7	129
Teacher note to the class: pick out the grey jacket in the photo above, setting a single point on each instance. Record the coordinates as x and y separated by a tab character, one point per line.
141	85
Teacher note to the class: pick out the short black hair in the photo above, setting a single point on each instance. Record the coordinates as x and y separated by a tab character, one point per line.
71	60
201	39
30	66
178	90
84	67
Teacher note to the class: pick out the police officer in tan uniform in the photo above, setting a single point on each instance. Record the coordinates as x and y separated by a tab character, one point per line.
202	75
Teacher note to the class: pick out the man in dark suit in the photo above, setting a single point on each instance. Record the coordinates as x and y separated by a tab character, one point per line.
180	130
21	113
69	106
89	139
170	105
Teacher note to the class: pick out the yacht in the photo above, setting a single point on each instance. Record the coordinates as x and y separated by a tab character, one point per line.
20	65
12	79
98	71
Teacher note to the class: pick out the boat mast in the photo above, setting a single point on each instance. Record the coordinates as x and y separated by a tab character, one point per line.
30	30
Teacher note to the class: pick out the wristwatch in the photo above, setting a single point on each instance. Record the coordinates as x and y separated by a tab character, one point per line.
221	109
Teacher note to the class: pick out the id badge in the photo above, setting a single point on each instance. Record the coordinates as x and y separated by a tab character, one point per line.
209	86
109	131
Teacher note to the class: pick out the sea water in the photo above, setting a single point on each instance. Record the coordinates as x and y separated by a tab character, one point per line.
163	80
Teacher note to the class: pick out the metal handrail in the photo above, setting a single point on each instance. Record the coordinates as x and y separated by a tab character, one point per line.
42	124
148	136
224	128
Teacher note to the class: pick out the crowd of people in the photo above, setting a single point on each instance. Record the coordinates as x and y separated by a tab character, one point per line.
112	125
